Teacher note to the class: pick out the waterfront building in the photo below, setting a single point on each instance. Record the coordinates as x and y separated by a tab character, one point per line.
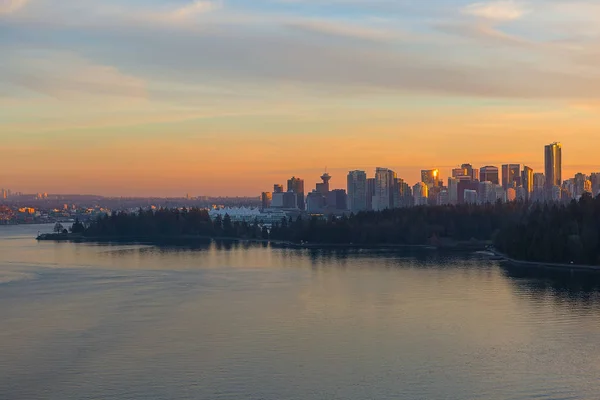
489	174
357	191
553	165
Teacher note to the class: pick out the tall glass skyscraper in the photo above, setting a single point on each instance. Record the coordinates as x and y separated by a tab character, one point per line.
553	164
357	190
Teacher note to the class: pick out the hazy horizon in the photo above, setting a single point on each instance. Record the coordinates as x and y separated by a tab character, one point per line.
164	98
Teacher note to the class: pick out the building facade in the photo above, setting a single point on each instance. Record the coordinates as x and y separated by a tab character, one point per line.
553	164
357	191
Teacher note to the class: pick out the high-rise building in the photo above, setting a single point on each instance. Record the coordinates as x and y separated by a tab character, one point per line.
595	180
323	187
471	196
296	186
383	197
458	172
553	164
420	194
463	185
265	199
277	188
315	203
471	172
453	190
527	181
337	200
357	191
579	185
489	174
486	192
511	175
370	193
430	177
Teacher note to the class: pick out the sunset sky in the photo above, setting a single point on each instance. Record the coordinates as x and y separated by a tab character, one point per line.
167	97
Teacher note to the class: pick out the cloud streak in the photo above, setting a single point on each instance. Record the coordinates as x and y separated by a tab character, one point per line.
500	10
11	6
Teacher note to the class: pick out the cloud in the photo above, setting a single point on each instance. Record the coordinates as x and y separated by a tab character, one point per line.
500	10
11	6
193	9
335	28
67	76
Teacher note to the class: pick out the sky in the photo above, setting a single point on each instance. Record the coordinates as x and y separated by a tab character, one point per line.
227	97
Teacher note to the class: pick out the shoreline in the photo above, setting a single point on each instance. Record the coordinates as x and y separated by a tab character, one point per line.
56	237
546	265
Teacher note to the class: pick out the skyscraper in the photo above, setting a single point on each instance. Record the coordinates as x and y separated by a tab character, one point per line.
470	171
357	190
527	181
431	177
370	192
553	164
296	185
511	175
420	194
383	196
453	190
489	174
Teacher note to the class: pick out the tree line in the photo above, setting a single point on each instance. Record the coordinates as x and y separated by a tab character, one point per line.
527	231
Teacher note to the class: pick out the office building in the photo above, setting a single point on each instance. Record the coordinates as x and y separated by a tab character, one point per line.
296	186
511	176
471	196
430	177
337	200
443	198
277	188
357	191
465	184
553	165
578	185
527	181
453	190
265	199
471	172
487	192
315	203
489	174
420	194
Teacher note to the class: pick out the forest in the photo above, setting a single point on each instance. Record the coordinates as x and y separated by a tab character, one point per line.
525	231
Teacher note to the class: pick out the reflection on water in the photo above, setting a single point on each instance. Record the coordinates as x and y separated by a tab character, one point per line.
239	320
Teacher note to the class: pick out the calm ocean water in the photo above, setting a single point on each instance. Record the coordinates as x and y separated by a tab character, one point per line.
81	321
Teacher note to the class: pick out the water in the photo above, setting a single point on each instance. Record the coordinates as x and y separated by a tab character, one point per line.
81	321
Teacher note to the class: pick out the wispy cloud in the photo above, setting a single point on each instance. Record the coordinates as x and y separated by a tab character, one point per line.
67	76
500	10
11	6
337	28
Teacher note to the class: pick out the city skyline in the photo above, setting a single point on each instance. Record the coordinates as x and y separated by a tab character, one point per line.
151	97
